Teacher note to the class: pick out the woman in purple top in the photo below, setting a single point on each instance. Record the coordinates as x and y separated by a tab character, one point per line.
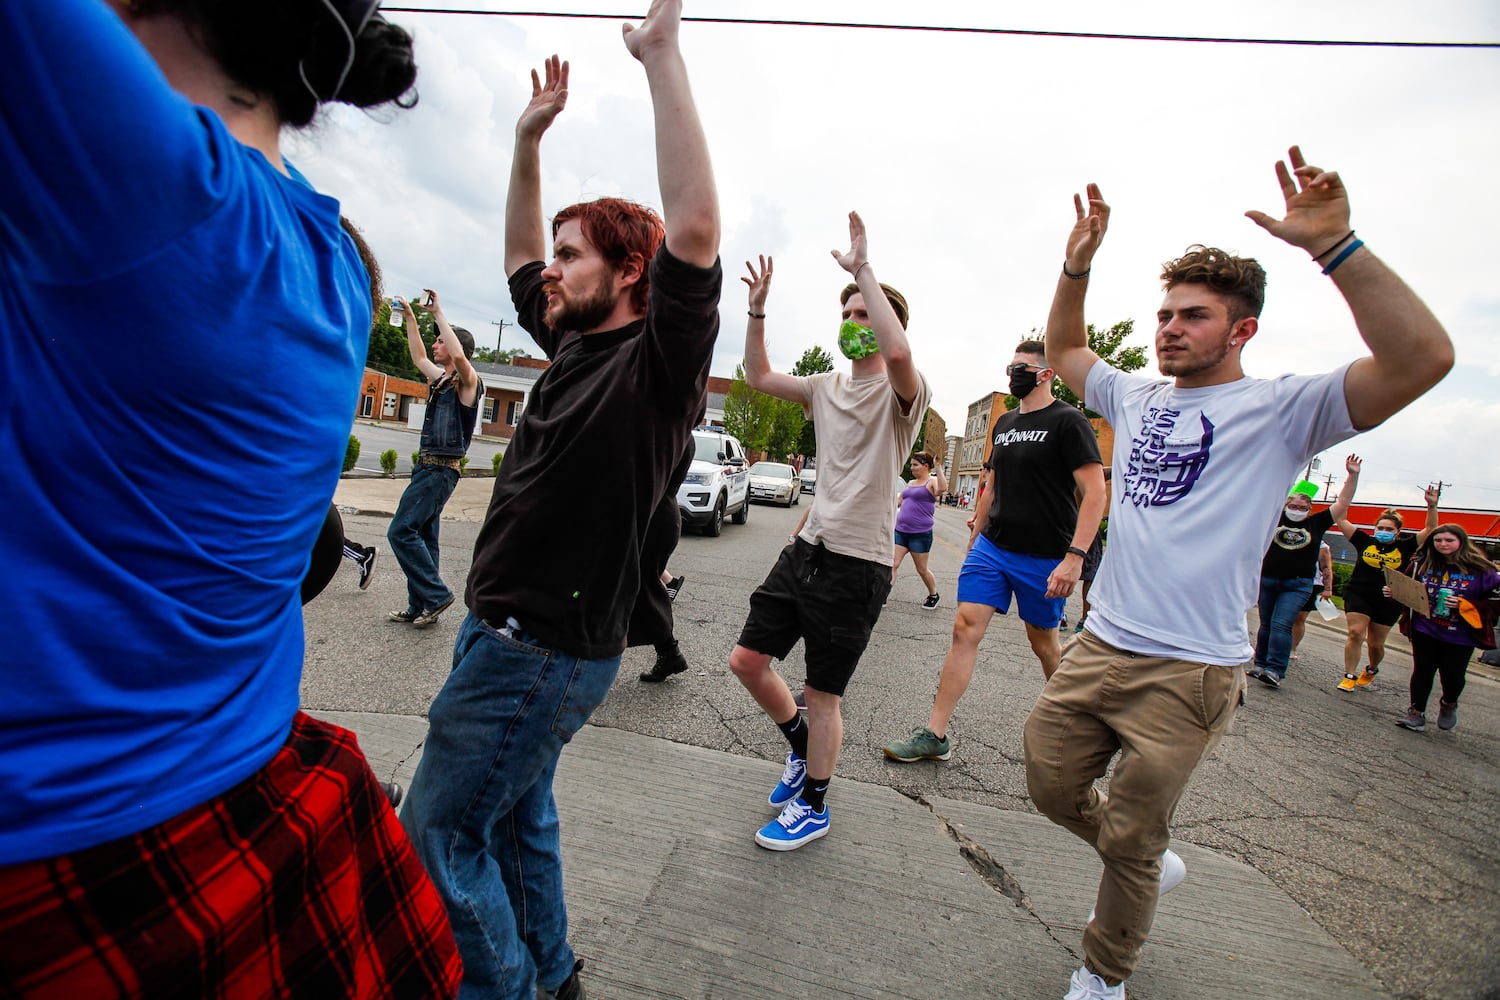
1463	588
915	507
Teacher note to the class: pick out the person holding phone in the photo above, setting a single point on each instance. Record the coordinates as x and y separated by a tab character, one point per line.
172	823
453	391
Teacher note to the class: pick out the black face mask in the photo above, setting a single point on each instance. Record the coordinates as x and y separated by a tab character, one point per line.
1021	383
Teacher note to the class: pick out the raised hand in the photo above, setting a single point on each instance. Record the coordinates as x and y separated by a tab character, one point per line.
1317	206
859	249
1353	464
1088	230
1432	495
759	282
658	29
431	302
547	99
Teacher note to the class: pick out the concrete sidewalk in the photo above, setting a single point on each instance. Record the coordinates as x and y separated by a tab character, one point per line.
669	896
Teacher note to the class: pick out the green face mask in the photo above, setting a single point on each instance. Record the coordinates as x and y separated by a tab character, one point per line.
856	342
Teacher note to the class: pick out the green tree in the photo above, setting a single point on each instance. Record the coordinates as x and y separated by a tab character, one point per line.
813	361
1109	345
388	352
498	356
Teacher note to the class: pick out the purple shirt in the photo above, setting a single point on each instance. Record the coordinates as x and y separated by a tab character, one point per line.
1449	627
916	513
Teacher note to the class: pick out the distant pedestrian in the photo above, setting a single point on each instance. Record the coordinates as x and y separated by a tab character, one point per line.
453	390
1368	612
1463	588
331	548
828	586
916	510
1322	591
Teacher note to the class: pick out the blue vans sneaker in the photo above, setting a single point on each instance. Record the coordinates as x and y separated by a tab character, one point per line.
792	780
797	825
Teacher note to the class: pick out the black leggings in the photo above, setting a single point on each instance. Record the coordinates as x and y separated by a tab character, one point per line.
1432	657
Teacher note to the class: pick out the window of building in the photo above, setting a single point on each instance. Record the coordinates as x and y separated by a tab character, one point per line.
513	412
490	402
389	410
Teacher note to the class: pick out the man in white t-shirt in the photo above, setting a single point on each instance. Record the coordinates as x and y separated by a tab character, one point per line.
1203	458
829	584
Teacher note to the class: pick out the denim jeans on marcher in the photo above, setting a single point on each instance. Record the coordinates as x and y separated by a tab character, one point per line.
413	535
1280	601
480	810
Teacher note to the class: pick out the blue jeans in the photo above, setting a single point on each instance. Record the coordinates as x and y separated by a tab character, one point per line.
413	535
480	811
1280	600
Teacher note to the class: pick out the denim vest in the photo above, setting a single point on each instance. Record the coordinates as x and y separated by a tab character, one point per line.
448	425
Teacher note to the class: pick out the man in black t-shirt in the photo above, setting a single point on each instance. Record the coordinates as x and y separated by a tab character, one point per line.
627	311
1286	577
1031	533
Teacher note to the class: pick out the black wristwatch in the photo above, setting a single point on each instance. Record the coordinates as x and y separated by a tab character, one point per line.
1074	550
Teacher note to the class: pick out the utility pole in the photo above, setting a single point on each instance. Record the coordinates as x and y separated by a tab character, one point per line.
500	334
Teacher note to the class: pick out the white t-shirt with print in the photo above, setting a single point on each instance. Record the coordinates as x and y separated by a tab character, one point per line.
863	440
1199	480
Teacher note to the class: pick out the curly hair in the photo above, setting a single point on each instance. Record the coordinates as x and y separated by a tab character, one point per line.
1240	280
619	229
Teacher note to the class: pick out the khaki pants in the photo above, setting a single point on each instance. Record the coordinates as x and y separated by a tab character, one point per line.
1162	716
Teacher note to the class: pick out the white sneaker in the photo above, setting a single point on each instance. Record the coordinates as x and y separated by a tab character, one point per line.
1173	871
1086	986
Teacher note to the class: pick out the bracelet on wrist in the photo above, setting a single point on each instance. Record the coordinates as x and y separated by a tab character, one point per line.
1343	256
1074	550
755	315
1076	277
1335	245
858	269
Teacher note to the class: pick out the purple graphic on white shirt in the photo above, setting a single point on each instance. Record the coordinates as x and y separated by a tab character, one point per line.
1161	472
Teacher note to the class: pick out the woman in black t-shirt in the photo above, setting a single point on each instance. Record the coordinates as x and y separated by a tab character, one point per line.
1368	612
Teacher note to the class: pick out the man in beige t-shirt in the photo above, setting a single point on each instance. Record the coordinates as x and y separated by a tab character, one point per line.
829	584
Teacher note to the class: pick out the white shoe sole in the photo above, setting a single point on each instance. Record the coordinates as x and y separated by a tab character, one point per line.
790	845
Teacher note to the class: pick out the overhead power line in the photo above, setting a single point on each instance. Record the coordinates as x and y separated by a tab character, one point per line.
963	30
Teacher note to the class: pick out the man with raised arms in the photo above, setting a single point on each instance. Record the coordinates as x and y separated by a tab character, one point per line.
1153	681
627	312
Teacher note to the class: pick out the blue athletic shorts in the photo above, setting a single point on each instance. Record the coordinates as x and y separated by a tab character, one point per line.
990	575
915	542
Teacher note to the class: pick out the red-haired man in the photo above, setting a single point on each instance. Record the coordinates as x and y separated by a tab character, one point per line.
1153	680
628	312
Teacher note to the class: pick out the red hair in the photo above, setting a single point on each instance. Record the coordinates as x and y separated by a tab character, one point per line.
619	230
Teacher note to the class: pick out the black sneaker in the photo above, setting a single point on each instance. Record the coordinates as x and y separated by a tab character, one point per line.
366	568
571	988
930	603
674	585
393	791
666	665
431	615
405	617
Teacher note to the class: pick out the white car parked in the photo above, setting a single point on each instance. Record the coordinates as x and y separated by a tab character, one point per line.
717	483
773	481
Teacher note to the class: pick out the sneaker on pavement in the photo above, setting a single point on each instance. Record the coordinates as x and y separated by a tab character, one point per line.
923	744
405	617
1173	871
571	988
931	602
1079	627
800	700
367	568
665	666
674	586
1367	677
431	615
1086	986
1269	679
797	825
1253	671
1348	683
792	779
1062	623
1414	720
393	791
1447	714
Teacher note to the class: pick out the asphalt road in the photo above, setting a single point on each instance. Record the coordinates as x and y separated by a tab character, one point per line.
1387	838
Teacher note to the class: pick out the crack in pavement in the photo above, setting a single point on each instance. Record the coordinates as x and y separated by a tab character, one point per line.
992	872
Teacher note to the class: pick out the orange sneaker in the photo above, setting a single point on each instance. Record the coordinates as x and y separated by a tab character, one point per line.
1347	684
1367	678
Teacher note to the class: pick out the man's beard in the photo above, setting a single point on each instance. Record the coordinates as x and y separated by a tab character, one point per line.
585	313
1188	367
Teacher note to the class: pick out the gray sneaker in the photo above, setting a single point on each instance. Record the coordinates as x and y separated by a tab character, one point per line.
923	745
431	615
1414	720
1447	714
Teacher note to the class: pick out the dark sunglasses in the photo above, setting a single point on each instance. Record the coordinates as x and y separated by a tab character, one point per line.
1021	366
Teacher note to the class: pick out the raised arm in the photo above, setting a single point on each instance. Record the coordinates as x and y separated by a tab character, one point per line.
758	373
1431	495
689	200
1340	508
1409	350
525	235
1067	338
889	333
414	346
468	378
938	483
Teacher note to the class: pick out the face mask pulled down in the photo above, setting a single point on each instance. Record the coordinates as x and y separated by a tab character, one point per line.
857	342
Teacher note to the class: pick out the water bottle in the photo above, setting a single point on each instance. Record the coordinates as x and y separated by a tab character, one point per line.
1444	595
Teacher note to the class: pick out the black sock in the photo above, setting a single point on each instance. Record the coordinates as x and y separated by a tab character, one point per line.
813	792
795	731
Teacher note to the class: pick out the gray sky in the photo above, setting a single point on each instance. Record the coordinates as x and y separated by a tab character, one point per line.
962	153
